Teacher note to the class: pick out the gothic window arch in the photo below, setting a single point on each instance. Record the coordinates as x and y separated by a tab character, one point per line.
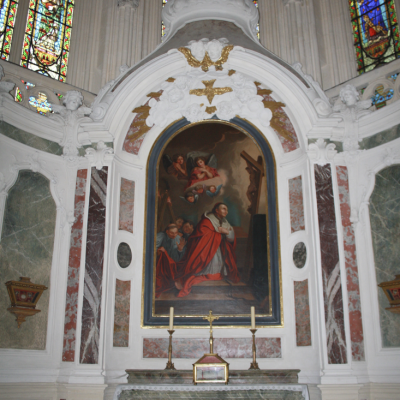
375	33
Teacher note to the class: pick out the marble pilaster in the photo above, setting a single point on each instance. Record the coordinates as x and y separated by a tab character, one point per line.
331	280
91	309
74	264
353	287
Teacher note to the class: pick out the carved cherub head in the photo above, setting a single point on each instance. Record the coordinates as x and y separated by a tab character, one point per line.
349	95
73	100
214	49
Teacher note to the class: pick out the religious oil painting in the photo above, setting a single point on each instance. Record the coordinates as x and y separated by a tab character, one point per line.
210	248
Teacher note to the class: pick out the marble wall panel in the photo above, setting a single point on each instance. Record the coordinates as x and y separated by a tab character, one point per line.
74	264
332	288
26	249
126	203
296	204
91	309
302	312
121	313
380	138
384	211
226	348
353	287
29	139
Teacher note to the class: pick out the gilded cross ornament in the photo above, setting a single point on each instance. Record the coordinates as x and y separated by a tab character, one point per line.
210	91
210	319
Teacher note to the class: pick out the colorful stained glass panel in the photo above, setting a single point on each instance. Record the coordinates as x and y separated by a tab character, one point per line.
8	13
47	37
40	103
376	33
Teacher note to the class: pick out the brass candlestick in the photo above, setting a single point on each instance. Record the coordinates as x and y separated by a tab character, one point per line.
254	364
170	364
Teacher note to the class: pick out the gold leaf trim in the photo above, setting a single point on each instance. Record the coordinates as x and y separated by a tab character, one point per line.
263	92
206	63
141	109
211	110
231	72
273	105
155	94
257	83
170	80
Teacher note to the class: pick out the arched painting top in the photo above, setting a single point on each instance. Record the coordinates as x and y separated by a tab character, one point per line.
211	227
280	121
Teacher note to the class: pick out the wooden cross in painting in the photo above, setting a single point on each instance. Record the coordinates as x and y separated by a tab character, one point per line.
165	202
256	171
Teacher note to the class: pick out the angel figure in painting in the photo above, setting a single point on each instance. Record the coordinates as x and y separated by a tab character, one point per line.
176	167
202	170
213	190
190	197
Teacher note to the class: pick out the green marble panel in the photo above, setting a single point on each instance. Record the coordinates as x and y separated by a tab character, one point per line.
29	139
26	249
384	210
380	138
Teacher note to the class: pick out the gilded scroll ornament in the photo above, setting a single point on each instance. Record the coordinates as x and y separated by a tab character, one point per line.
207	62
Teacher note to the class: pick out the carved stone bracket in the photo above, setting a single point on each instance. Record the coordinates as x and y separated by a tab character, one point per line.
320	152
100	156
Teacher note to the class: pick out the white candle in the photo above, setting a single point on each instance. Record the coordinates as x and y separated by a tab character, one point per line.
171	318
253	318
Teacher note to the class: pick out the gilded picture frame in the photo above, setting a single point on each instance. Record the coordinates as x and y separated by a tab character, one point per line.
155	315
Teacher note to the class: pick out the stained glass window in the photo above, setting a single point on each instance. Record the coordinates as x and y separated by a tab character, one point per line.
258	25
164	2
47	37
375	33
8	13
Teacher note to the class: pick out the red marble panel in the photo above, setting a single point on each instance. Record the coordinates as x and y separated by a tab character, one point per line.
91	308
74	263
126	203
331	281
226	348
296	204
353	287
302	311
121	313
